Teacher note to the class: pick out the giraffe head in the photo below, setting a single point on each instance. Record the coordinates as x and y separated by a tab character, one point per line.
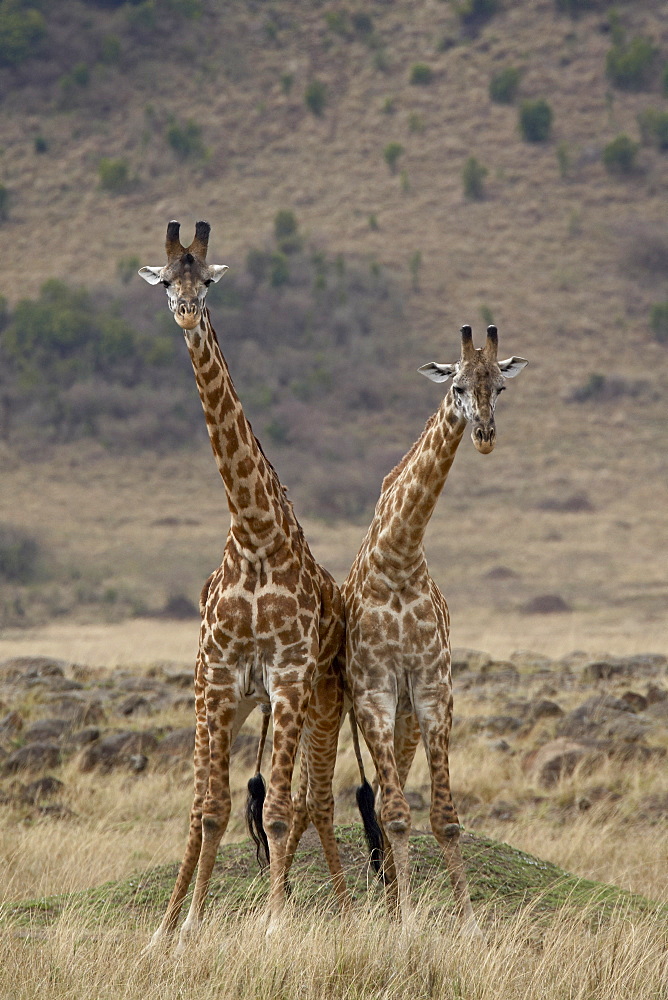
477	379
186	275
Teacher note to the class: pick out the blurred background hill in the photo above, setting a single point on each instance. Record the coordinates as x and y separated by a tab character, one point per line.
375	174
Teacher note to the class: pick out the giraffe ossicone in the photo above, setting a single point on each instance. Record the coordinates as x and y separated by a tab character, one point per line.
271	619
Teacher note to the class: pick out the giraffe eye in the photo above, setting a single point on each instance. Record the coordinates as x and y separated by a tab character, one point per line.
501	388
459	389
208	282
166	283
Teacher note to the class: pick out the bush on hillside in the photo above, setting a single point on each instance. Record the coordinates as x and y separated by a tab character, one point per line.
391	154
653	126
474	13
473	176
315	97
619	155
185	138
630	66
286	231
19	555
503	85
535	120
658	321
4	203
421	74
21	29
114	175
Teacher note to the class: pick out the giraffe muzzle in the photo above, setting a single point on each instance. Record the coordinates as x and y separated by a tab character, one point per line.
188	313
484	437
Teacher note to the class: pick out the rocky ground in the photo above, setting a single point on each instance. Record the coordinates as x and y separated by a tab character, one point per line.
544	719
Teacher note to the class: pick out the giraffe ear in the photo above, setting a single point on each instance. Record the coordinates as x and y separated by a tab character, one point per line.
436	372
216	271
150	274
512	366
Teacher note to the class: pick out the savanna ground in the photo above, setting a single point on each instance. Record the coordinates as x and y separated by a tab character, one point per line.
567	258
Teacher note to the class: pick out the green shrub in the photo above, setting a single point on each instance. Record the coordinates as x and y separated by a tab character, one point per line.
258	263
503	85
664	80
41	145
280	269
535	120
20	31
4	203
563	159
574	7
619	155
19	553
415	123
473	176
415	266
658	320
654	127
286	231
186	140
421	74
474	13
287	79
362	23
631	66
316	97
114	175
391	154
110	51
127	267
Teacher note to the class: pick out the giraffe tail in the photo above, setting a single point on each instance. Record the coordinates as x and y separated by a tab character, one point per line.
367	805
255	801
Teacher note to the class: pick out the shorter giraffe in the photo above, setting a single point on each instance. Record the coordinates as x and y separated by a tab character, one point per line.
271	617
397	661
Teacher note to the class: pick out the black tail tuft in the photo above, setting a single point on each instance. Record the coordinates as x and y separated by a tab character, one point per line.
254	803
372	831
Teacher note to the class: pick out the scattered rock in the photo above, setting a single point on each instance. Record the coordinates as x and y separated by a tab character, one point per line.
177	746
636	702
530	661
43	788
138	762
559	758
545	604
656	694
603	716
84	736
135	704
11	723
505	811
574	504
545	709
33	757
499	725
32	666
415	800
46	730
501	573
469	659
116	749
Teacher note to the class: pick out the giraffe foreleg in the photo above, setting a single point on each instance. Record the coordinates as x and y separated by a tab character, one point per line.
221	710
194	842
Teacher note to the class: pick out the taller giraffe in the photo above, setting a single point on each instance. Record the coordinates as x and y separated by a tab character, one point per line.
397	669
271	617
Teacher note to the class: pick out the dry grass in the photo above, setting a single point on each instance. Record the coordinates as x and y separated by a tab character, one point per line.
363	958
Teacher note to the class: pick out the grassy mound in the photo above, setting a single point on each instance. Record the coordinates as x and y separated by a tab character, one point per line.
502	880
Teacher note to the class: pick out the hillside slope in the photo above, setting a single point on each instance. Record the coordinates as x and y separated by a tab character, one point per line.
565	257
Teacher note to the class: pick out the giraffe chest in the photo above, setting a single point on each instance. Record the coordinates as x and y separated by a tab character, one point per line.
260	617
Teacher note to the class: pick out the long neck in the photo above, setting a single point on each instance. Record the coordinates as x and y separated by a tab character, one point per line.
410	493
262	517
